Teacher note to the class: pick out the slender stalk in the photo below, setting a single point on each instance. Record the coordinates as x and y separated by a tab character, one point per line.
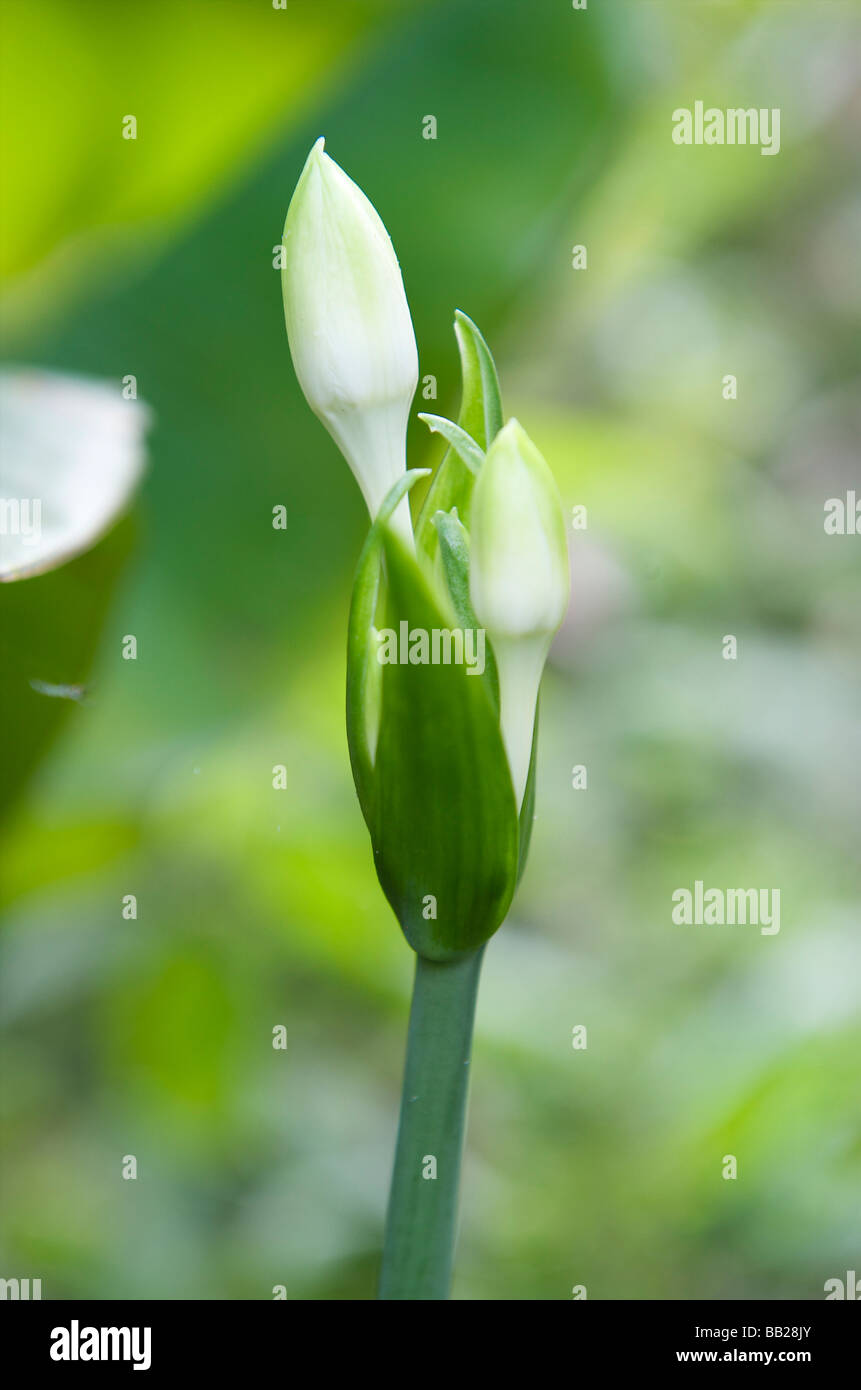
422	1216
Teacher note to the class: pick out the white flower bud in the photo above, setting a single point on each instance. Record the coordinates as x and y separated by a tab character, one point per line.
349	326
518	579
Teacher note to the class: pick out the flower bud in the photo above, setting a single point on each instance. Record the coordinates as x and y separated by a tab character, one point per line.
348	324
519	579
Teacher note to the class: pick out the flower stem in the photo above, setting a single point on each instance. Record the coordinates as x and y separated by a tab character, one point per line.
422	1216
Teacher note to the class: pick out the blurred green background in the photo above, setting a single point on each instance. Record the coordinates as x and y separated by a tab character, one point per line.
259	907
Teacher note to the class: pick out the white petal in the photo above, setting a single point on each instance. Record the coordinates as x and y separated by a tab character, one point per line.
71	453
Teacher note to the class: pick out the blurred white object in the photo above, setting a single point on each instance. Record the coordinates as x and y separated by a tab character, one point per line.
71	454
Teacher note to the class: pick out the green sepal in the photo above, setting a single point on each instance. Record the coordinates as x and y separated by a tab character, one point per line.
364	687
481	407
454	559
463	444
527	806
454	563
480	417
437	796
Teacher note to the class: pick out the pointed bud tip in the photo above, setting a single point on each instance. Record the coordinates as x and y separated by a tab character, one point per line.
317	153
316	156
519	567
513	434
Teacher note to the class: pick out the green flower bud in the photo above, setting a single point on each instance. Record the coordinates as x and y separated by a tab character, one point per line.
441	745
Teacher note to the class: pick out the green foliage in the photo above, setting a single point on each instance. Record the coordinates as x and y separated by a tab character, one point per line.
50	628
259	907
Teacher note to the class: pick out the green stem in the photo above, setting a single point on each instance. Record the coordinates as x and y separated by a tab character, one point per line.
422	1215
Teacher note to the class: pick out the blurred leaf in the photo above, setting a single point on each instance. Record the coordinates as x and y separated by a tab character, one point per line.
183	72
49	631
